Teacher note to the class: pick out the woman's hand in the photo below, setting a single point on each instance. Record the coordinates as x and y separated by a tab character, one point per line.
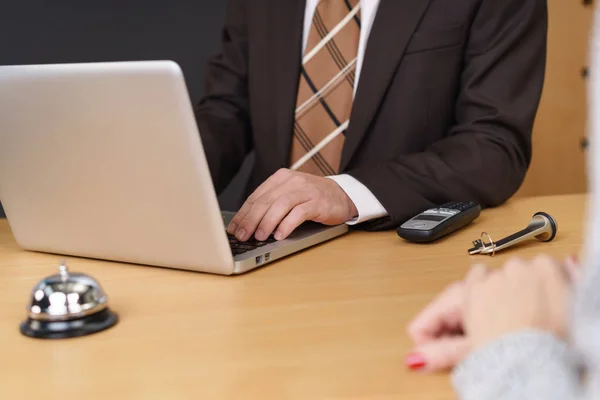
521	295
438	331
441	334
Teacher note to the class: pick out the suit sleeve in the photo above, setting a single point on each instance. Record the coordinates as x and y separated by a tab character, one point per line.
487	152
223	114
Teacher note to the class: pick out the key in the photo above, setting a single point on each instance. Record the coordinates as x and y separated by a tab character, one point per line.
542	227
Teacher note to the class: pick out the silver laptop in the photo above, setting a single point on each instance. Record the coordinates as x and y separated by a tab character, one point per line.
104	160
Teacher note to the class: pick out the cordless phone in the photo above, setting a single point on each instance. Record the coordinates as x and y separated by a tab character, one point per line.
432	224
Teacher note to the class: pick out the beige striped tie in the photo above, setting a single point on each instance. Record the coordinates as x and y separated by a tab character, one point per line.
326	87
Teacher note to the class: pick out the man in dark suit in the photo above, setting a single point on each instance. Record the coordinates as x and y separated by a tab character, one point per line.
368	112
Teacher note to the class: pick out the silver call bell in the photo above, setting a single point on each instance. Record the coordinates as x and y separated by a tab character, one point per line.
67	305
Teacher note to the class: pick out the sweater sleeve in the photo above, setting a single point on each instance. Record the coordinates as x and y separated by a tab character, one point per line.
521	366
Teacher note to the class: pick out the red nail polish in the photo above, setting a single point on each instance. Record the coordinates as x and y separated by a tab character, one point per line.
415	361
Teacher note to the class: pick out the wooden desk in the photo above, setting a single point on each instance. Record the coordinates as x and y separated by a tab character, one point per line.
325	324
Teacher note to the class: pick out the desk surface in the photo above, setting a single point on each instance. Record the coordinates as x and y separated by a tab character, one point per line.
328	323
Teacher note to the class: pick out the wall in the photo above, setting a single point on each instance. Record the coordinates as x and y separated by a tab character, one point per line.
33	32
558	164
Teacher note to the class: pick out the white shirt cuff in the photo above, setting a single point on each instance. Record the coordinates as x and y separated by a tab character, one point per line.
365	201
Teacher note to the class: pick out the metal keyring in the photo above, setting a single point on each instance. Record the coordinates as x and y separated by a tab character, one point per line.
492	245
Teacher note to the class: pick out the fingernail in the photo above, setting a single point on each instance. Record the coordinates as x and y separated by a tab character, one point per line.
415	361
241	234
278	235
231	228
260	234
574	258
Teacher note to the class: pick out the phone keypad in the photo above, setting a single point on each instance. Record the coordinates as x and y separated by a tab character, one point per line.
458	205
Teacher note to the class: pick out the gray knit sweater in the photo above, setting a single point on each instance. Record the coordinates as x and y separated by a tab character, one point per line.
535	365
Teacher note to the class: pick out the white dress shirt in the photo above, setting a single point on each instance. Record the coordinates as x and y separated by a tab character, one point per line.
366	203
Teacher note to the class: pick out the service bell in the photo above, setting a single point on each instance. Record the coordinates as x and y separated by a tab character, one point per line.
67	305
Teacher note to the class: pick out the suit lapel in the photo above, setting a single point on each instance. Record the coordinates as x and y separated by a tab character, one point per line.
394	24
286	21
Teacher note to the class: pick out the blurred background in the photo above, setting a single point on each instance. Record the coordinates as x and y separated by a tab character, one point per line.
36	31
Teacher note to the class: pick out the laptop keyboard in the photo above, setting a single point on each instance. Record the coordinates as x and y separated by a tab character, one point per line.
238	247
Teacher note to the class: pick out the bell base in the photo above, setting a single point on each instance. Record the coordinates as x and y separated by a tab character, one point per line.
69	329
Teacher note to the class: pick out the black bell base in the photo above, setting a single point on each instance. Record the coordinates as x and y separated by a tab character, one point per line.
69	329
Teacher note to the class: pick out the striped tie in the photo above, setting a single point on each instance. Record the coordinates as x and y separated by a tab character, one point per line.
326	88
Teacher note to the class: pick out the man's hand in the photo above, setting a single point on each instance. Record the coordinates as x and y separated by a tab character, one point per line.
286	200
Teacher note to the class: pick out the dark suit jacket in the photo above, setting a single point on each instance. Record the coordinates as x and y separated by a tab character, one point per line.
443	111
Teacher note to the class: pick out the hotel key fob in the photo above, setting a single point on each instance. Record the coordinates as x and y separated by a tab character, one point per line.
435	223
